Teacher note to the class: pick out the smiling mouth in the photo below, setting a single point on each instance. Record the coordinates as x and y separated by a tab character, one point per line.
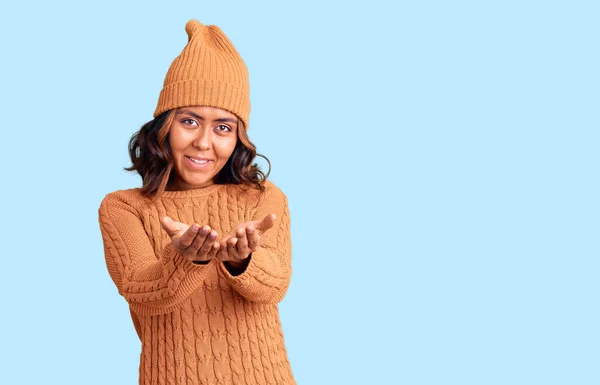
197	161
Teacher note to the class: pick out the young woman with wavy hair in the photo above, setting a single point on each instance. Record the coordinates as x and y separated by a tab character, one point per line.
151	157
201	251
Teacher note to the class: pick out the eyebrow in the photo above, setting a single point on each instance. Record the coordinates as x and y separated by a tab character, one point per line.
227	120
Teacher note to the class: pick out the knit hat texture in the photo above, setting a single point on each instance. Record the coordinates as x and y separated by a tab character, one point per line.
208	72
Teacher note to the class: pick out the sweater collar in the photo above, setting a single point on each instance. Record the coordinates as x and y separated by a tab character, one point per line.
192	193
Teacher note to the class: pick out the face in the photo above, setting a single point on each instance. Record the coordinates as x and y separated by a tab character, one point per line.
202	139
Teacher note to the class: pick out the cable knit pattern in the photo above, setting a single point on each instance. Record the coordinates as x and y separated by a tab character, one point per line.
198	324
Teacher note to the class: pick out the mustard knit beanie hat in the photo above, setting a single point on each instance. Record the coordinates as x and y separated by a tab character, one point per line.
208	72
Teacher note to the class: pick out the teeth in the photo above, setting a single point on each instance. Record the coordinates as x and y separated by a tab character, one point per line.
199	161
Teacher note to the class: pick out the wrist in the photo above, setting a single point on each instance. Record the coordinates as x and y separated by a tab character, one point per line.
237	267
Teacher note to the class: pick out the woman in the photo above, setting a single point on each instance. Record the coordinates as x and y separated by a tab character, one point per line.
202	251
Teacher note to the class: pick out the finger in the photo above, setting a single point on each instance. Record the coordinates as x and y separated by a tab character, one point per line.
253	238
199	239
266	223
222	252
231	248
169	226
223	241
242	243
214	249
188	237
208	244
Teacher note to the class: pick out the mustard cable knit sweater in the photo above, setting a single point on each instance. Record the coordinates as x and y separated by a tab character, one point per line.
198	324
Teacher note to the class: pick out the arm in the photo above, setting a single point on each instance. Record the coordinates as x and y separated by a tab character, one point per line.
152	283
266	277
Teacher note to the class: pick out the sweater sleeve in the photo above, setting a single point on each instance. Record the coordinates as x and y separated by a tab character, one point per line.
152	283
267	276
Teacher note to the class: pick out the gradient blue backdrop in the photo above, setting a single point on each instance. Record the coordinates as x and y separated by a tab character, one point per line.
440	160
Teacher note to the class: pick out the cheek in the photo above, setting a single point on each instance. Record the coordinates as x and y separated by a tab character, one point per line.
226	147
176	142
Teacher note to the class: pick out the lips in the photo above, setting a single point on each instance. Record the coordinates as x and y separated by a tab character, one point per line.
198	160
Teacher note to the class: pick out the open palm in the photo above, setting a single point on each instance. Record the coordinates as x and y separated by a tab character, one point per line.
195	243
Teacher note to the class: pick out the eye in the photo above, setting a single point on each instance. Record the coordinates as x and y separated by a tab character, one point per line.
188	122
223	127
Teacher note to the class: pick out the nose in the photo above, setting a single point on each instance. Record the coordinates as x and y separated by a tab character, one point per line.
202	140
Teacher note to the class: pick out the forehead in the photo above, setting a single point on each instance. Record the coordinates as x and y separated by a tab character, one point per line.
207	112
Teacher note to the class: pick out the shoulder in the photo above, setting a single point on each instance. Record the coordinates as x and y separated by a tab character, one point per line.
273	192
271	199
269	192
128	200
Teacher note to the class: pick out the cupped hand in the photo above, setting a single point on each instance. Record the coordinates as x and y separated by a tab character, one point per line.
195	243
244	239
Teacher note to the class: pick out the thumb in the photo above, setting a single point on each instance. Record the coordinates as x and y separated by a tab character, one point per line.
169	226
266	223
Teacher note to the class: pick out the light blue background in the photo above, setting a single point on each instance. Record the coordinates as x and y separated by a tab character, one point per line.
440	160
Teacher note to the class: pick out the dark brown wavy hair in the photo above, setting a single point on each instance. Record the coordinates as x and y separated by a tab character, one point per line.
151	157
